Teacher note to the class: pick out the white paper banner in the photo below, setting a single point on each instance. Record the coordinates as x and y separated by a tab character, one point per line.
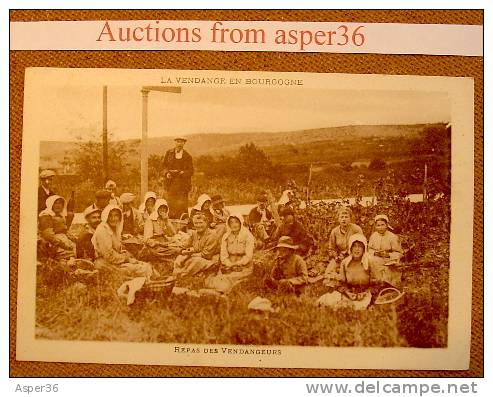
340	37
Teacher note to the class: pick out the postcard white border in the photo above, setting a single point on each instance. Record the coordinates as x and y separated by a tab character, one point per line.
455	356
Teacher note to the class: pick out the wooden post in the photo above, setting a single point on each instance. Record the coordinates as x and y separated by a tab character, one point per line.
425	184
144	150
105	133
309	183
273	208
143	146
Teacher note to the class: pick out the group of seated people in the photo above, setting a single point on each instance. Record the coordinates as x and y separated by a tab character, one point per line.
133	241
358	265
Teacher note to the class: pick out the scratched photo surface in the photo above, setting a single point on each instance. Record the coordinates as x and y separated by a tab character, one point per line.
238	214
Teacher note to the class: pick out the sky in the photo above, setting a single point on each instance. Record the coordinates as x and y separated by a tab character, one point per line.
65	109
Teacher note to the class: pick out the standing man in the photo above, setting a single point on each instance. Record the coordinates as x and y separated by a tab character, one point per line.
178	166
45	188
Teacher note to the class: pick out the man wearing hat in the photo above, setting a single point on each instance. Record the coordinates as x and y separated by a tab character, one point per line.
261	220
219	211
289	273
102	200
83	247
45	188
260	213
178	173
133	223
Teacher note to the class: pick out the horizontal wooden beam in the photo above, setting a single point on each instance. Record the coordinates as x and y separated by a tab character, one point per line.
171	89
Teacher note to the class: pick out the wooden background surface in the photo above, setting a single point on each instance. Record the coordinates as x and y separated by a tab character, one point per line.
282	62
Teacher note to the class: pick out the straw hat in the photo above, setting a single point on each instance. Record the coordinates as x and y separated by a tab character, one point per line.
286	242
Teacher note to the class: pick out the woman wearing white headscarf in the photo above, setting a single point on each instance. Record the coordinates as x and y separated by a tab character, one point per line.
204	205
54	222
236	255
109	250
147	206
237	244
355	278
355	268
158	231
386	250
384	244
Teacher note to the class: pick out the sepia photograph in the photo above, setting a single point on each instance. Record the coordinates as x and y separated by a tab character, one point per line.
262	219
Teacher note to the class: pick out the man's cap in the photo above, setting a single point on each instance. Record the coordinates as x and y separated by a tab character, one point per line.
286	242
180	138
262	197
90	210
217	198
46	174
127	198
103	194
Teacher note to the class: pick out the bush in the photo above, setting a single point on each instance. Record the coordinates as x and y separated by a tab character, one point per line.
250	164
377	164
347	166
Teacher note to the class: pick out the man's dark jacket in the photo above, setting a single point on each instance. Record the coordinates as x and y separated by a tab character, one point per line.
178	183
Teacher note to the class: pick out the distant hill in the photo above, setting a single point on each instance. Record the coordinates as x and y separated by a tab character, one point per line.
216	144
274	143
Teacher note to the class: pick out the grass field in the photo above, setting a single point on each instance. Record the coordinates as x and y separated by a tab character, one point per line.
83	313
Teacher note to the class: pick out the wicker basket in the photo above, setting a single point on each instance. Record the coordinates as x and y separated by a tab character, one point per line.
159	287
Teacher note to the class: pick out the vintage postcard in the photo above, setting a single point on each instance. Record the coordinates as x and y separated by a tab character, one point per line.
247	219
